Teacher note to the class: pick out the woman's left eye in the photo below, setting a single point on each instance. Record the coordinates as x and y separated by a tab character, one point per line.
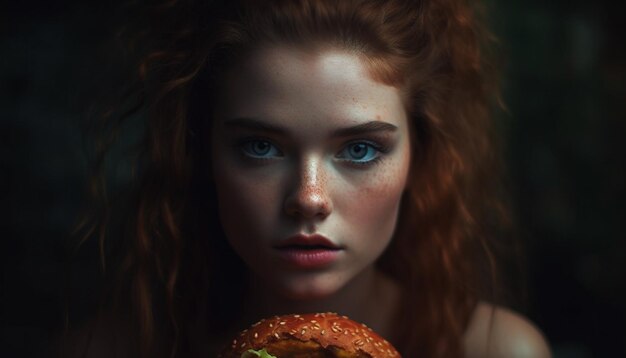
360	153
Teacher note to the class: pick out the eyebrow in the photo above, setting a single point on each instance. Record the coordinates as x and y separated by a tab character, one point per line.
364	128
254	124
369	127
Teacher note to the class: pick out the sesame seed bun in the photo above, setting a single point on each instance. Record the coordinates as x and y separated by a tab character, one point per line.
311	335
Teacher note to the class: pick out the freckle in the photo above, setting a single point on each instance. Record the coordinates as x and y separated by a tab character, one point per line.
378	117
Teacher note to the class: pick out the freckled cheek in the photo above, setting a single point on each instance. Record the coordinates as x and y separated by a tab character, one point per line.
373	209
378	204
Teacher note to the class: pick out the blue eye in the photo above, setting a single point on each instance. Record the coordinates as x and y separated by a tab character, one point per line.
260	149
360	153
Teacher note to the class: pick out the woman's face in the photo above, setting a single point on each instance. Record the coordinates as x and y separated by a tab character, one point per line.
307	143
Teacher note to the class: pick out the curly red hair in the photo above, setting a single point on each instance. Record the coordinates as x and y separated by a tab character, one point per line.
431	49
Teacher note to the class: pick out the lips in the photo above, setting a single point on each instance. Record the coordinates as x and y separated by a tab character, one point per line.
308	242
308	252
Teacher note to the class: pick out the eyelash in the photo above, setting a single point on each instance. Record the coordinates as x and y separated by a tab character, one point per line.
381	150
247	142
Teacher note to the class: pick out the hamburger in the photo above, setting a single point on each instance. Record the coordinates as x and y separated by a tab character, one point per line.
308	335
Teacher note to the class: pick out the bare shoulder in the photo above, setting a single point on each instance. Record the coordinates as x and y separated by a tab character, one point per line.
495	331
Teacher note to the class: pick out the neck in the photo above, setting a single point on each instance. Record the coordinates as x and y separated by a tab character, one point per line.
369	298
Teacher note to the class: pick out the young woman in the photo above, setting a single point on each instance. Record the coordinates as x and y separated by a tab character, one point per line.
310	156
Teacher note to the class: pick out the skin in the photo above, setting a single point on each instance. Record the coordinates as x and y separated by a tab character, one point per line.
498	332
307	178
272	185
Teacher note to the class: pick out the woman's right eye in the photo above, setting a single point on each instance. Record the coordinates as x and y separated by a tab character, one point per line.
260	149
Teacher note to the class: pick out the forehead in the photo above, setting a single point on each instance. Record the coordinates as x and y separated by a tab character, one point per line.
325	88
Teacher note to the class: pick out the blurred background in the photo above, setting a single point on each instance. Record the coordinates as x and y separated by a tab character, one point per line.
564	80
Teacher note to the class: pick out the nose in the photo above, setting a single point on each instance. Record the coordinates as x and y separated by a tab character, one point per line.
309	198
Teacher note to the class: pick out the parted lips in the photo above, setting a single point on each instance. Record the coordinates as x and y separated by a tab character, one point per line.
311	335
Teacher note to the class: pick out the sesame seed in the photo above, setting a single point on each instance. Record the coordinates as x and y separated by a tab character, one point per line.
313	321
302	332
243	344
271	325
276	335
323	332
282	323
296	315
256	335
359	342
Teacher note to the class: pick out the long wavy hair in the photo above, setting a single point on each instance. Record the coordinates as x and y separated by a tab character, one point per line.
176	275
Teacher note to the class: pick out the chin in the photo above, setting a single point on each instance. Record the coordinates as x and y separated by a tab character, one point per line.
309	286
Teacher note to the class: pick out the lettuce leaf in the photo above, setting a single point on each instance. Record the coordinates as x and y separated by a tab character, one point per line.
251	353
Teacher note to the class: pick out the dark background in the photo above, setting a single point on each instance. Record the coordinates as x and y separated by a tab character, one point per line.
565	88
